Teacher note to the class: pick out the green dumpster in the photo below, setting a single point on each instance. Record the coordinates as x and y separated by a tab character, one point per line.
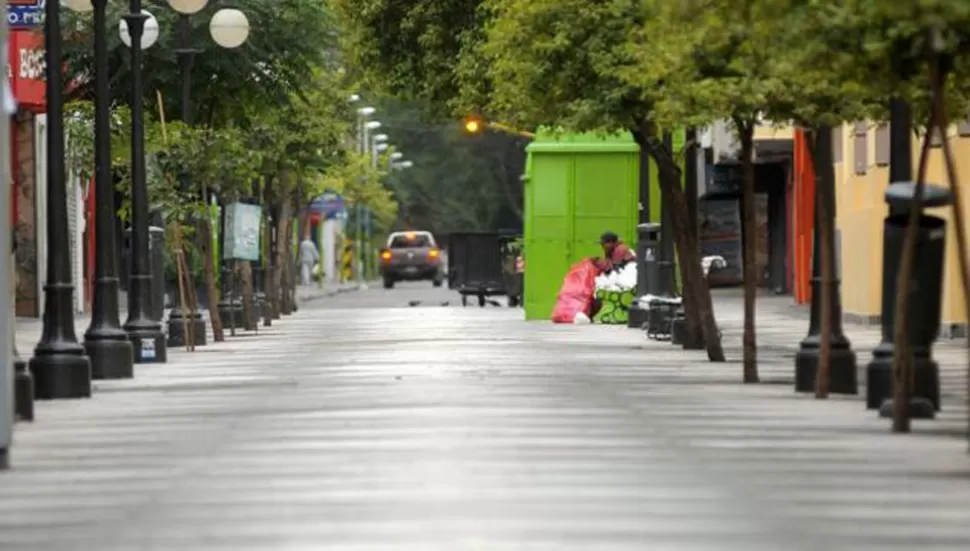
576	187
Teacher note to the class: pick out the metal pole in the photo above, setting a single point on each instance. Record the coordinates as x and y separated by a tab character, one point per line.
900	141
358	213
879	370
186	56
60	367
145	333
368	256
105	342
690	181
358	226
644	184
842	361
6	299
665	261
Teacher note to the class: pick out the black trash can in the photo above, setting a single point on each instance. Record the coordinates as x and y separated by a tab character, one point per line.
648	240
923	314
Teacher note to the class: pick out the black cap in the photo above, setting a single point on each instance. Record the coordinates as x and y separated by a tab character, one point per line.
609	237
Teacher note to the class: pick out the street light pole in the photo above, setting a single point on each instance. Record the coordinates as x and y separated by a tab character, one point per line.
842	360
105	341
184	313
665	262
59	366
144	332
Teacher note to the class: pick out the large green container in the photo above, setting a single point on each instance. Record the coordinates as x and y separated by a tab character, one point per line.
576	187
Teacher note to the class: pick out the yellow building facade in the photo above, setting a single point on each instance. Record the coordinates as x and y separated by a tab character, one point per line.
862	174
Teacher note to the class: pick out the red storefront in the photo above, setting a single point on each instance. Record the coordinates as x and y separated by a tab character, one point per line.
26	74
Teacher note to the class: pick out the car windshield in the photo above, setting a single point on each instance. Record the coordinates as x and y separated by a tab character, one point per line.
414	241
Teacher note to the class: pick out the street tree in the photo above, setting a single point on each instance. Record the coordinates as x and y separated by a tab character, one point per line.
575	65
723	68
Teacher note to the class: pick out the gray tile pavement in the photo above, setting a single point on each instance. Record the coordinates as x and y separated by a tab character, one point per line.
371	427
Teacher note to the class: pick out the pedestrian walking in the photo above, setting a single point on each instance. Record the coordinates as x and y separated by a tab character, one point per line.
309	256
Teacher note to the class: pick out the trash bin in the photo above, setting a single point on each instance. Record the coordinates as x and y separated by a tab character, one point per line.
923	312
648	240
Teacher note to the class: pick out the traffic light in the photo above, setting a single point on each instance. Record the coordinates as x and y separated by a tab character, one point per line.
474	125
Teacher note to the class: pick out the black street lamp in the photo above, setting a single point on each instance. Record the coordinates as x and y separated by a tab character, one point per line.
665	262
842	360
179	316
105	342
59	366
145	333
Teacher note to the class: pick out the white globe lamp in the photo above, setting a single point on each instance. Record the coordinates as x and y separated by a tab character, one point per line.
229	28
149	35
188	7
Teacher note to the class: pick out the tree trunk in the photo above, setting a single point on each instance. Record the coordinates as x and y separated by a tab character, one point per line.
685	241
282	257
693	321
245	270
824	198
749	249
204	229
289	274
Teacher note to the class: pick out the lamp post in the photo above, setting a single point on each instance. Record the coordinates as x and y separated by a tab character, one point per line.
229	29
60	367
363	114
368	146
139	30
183	314
665	262
379	146
842	360
105	342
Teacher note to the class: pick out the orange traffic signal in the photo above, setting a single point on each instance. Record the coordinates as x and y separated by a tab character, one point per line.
474	125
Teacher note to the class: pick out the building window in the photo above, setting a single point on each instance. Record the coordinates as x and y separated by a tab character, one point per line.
882	145
837	144
860	147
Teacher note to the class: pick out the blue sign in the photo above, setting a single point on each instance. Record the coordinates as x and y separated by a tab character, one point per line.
329	206
26	15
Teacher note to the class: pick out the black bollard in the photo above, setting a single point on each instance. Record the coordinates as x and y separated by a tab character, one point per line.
923	315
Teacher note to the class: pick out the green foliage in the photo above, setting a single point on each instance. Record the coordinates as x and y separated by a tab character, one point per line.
79	127
458	182
360	184
288	40
562	63
409	49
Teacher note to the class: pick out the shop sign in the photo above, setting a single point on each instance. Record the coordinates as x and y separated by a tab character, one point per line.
25	14
27	67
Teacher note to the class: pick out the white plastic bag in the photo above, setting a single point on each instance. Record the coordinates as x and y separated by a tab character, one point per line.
627	277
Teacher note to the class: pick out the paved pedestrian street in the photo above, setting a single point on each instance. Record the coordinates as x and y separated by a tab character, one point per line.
363	423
